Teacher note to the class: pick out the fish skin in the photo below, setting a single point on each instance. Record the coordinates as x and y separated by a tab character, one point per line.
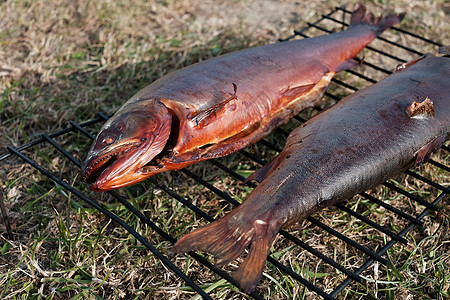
269	85
355	145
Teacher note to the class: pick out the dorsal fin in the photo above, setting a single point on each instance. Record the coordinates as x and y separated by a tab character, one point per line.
409	63
422	109
205	114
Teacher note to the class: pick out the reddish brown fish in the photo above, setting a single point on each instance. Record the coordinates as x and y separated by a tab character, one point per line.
221	105
366	138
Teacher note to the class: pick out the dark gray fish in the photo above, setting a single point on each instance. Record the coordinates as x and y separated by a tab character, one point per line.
368	137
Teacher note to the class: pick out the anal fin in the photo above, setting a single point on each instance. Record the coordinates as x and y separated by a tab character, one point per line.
260	174
294	92
423	155
348	64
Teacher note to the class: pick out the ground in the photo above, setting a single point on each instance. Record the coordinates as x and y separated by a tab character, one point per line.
64	61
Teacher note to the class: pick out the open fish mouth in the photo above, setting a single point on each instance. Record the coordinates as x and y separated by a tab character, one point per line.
98	165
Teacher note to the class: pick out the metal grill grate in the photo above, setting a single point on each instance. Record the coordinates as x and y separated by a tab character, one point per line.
381	55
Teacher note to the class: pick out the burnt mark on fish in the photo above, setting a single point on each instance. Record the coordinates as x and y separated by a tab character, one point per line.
424	109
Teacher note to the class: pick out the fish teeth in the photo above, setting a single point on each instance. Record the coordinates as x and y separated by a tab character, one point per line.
88	171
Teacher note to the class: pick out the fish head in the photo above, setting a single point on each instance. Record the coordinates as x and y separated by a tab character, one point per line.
127	142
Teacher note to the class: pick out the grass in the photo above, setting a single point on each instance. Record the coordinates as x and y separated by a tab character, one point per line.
63	61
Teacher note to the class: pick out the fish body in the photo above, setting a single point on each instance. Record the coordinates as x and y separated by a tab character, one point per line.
221	105
366	138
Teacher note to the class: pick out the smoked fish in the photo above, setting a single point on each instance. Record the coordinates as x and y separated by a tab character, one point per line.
216	107
369	136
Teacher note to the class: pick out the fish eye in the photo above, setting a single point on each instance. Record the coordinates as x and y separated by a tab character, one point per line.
143	139
107	139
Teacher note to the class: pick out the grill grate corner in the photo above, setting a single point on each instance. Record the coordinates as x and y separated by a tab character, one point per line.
372	71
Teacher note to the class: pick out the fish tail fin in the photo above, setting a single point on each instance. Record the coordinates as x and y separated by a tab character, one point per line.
218	238
379	24
250	271
227	239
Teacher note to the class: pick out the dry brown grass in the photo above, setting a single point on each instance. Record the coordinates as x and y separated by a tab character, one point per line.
66	60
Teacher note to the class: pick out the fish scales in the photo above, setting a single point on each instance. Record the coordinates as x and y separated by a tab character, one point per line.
368	137
221	105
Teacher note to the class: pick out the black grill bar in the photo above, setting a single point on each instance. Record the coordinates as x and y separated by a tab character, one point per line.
413	197
367	47
375	67
391	208
353	274
299	32
371	223
181	199
350	87
347	12
347	240
300	279
382	39
439	165
387	246
62	150
82	130
430	182
284	233
52	135
112	216
322	256
362	76
136	212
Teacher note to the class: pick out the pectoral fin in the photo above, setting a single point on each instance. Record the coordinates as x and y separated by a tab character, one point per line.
426	151
202	118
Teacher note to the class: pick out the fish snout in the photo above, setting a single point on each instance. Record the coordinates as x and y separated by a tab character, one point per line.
127	143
